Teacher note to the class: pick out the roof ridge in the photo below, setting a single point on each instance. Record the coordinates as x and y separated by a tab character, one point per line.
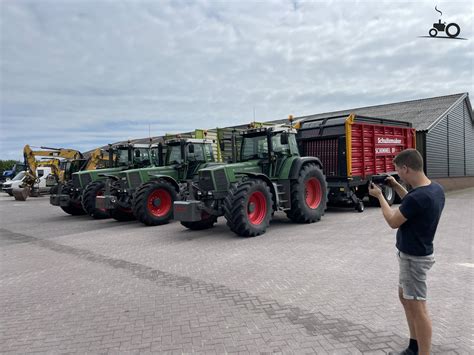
387	104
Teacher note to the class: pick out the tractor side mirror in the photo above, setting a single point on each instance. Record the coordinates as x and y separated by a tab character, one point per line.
284	138
222	145
137	154
191	148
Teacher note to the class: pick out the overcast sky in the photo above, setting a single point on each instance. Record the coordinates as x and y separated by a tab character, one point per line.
82	74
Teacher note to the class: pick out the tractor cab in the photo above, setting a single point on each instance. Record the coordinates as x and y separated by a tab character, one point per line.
187	155
132	155
270	145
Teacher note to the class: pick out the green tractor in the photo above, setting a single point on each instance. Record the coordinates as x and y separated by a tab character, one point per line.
147	194
80	194
270	175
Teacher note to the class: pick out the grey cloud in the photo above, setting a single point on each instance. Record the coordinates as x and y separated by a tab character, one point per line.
108	69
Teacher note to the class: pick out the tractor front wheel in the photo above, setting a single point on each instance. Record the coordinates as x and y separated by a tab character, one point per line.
153	202
308	195
248	208
92	190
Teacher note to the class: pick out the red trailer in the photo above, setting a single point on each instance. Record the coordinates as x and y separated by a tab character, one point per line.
354	149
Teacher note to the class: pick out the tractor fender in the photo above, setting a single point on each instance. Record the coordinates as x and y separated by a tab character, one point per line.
167	178
298	165
267	180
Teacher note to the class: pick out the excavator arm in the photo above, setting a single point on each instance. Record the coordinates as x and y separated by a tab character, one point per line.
32	165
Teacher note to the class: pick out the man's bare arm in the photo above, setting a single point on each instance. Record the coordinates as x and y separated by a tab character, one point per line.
393	217
399	189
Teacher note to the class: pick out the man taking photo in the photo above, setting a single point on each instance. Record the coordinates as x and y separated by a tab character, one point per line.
416	219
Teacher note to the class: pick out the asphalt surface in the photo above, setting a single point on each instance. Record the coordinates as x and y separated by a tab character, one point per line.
75	285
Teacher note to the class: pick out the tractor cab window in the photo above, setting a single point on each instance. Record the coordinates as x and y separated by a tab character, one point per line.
173	154
122	157
293	145
278	148
141	157
155	156
254	148
208	154
197	155
284	149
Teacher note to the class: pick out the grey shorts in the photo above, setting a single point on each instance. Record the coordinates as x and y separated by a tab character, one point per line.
413	271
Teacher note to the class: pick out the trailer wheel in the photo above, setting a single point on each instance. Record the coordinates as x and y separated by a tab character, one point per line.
120	214
92	190
205	223
308	195
248	208
388	193
153	202
74	209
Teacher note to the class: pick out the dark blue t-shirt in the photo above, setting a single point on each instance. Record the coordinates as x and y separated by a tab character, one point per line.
422	208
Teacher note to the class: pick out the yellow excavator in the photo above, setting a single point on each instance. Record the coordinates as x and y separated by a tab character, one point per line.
59	157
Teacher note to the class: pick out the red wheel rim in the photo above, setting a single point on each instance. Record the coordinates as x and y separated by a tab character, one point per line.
100	193
313	192
257	208
159	202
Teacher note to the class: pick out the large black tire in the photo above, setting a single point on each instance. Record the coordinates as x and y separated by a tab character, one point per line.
74	209
309	195
54	189
153	202
205	223
120	213
92	190
248	208
389	194
451	34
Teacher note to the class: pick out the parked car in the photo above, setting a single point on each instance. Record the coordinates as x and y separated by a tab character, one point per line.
42	186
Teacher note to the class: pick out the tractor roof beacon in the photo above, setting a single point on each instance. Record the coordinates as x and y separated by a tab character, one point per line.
269	175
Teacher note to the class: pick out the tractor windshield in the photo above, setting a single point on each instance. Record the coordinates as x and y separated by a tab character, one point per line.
173	154
141	157
256	147
122	157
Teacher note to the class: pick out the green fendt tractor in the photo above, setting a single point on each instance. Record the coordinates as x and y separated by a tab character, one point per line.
269	176
65	194
147	194
88	184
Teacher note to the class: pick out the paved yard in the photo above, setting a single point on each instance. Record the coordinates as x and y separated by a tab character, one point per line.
73	284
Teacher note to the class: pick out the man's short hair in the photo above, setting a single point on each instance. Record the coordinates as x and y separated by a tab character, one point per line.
410	158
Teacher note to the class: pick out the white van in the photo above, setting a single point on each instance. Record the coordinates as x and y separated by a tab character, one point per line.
43	185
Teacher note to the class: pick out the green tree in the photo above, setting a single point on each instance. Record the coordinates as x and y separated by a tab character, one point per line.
7	164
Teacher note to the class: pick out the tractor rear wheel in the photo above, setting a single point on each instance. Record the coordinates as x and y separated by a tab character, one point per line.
92	190
153	202
74	209
248	208
308	195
